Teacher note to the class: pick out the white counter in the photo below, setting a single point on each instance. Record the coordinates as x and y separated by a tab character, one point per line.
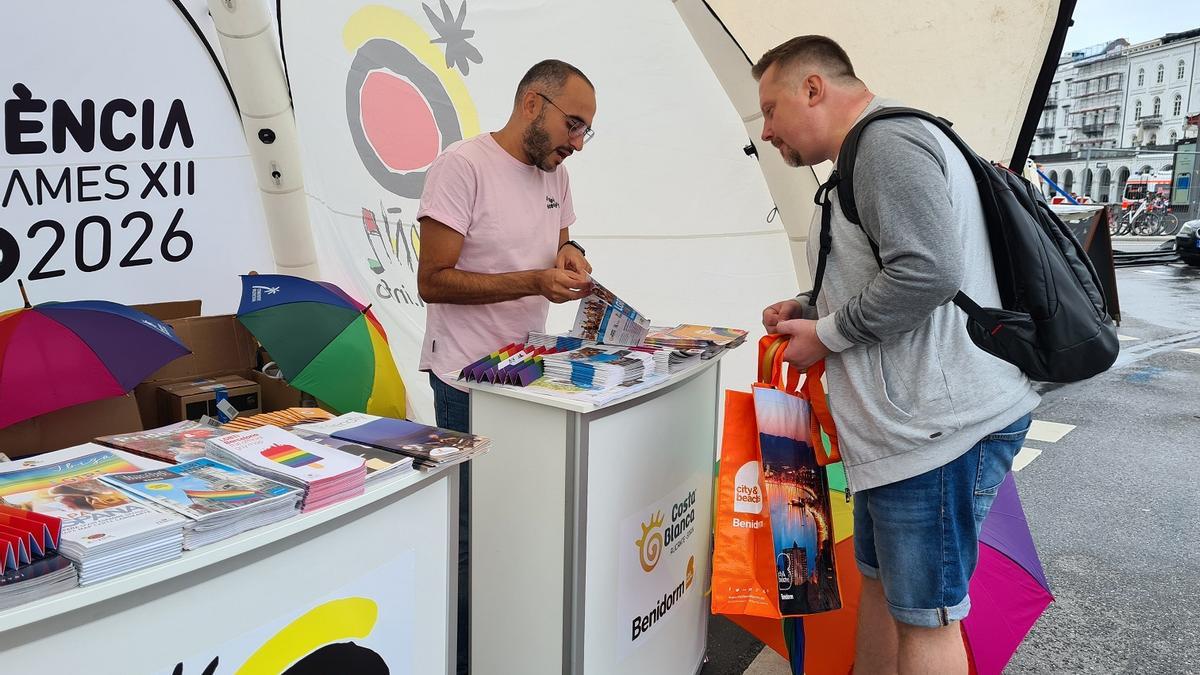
388	551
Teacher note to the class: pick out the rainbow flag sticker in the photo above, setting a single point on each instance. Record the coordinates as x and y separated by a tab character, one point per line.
291	456
221	495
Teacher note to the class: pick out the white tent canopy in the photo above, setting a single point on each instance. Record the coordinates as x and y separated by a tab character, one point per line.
676	218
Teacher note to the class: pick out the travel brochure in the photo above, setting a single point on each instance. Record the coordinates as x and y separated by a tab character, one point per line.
604	317
429	447
611	352
87	513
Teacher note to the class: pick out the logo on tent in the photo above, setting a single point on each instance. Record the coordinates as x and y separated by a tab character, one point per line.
405	102
257	292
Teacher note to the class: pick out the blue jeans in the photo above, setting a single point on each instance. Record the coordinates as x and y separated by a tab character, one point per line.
920	536
452	409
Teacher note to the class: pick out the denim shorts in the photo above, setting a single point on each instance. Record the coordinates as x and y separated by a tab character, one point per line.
920	536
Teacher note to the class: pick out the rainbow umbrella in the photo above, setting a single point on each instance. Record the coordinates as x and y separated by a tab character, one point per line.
59	354
1008	593
325	342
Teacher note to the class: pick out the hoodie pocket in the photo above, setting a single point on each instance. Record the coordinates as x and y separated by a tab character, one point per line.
888	389
912	387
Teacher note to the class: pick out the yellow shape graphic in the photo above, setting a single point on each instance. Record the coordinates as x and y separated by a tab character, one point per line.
387	392
333	621
375	21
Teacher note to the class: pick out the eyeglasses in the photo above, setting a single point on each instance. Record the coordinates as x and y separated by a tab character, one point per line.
576	128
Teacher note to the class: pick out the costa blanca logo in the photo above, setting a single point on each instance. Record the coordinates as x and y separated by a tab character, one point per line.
650	545
665	536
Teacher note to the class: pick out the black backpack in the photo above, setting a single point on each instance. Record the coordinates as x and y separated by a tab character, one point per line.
1054	324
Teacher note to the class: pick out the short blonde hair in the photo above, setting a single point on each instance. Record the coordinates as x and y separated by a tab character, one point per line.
816	50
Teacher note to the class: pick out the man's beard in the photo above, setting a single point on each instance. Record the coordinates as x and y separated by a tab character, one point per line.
791	156
536	144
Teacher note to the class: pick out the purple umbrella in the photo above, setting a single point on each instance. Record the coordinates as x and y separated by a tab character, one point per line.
1008	590
60	354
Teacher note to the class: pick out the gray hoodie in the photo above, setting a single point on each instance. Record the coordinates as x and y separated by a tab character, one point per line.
908	389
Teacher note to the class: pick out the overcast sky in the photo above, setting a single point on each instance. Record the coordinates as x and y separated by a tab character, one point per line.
1099	21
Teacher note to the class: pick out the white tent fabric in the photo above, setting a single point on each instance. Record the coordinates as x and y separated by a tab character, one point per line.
974	63
673	214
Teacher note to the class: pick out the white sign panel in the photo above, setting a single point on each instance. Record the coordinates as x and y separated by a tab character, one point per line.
365	628
123	173
657	567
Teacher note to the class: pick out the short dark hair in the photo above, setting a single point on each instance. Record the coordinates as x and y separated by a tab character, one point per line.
816	50
549	77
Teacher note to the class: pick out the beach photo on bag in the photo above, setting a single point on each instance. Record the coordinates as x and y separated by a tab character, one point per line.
798	498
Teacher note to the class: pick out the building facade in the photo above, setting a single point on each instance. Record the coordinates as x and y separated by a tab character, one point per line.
1115	112
1164	88
1097	95
1052	132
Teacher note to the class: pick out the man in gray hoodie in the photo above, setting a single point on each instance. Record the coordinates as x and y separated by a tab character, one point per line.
928	423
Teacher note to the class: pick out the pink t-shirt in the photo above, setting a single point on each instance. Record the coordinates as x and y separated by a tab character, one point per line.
510	215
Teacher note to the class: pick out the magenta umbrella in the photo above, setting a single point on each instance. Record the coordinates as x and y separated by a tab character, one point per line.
1009	589
60	354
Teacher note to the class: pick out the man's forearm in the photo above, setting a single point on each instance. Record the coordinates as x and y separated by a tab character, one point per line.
456	287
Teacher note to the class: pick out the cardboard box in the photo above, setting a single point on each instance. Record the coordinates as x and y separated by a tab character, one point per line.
165	311
194	399
71	426
277	395
221	346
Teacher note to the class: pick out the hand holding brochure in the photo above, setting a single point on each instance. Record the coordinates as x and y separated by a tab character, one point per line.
605	318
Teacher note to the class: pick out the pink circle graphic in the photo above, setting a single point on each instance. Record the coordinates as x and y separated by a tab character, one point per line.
398	122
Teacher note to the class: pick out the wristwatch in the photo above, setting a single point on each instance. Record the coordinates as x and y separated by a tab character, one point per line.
572	242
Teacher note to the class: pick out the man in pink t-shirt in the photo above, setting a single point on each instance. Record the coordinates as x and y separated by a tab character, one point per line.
496	250
495	243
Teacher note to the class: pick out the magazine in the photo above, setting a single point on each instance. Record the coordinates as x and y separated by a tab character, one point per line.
284	454
687	336
40	578
174	443
278	418
378	460
202	487
425	443
65	484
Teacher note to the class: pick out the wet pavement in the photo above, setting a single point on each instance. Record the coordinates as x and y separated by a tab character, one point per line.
1114	504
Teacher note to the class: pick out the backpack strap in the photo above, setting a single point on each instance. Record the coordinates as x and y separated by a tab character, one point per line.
845	192
826	236
849	153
